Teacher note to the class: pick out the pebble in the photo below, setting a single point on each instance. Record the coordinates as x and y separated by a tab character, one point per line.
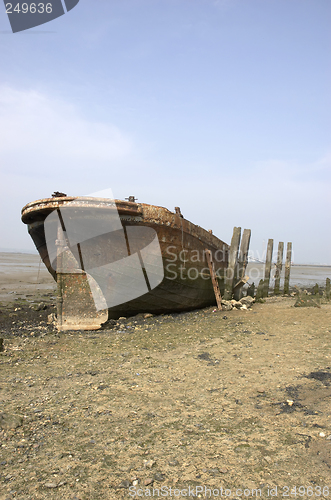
159	476
51	485
149	463
8	421
125	484
148	481
40	307
51	318
205	356
247	301
322	434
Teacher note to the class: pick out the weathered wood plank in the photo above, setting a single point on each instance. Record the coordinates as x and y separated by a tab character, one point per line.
233	258
267	268
259	291
327	289
240	284
214	279
288	268
242	262
279	266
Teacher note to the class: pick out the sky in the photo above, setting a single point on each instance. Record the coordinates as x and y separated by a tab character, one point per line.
221	107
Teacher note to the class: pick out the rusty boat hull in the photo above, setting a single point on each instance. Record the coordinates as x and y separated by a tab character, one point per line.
186	283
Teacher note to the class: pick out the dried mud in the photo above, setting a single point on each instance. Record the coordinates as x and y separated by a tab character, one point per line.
240	399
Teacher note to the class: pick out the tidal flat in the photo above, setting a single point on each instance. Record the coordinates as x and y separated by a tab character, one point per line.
234	399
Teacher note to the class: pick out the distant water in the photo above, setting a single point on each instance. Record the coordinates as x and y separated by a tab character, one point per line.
300	275
12	263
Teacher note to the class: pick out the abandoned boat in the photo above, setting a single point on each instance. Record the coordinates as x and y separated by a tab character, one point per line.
115	258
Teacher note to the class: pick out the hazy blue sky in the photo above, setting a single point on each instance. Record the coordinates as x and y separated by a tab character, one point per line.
220	107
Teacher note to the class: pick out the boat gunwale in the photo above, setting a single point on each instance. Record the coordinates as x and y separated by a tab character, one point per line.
50	204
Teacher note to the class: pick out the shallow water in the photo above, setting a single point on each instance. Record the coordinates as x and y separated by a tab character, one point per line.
12	263
300	275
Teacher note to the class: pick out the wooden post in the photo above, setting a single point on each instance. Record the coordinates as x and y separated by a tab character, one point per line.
279	266
287	268
214	279
242	260
251	290
267	268
327	289
233	258
259	291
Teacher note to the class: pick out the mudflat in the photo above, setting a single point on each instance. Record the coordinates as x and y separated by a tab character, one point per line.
180	404
22	276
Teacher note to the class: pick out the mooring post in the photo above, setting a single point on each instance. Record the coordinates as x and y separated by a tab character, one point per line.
233	258
251	290
279	266
242	261
259	291
327	289
288	268
267	268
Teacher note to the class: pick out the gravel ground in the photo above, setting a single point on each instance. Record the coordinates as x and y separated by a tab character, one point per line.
232	400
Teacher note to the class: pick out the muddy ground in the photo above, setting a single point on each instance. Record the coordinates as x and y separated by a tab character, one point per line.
237	399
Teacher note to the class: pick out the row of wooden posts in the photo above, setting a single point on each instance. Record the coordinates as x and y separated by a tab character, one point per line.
279	266
236	277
